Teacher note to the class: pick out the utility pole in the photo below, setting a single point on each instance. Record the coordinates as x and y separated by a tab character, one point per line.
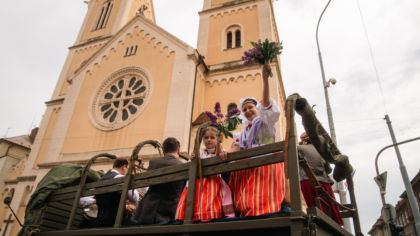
325	85
408	188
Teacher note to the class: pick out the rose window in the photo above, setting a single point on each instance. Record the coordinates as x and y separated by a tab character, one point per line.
120	99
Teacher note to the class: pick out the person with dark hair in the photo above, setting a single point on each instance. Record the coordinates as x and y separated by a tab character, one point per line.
170	145
120	163
108	202
159	204
321	169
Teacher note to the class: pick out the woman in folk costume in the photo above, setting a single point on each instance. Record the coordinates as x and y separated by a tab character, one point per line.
213	199
259	190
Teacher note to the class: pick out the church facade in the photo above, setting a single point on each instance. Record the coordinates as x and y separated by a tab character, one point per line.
126	80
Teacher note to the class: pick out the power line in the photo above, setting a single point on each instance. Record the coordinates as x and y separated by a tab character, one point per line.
372	57
359	120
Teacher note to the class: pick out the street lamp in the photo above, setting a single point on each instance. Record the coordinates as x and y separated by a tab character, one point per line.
341	191
381	178
324	82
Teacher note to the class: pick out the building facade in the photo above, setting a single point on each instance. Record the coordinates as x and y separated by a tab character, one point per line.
14	153
404	216
126	80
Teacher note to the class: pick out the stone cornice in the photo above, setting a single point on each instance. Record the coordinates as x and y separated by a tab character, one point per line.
233	6
92	40
11	181
232	72
226	66
28	178
50	165
57	101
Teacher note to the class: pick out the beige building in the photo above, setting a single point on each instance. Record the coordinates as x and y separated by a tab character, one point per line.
404	217
127	80
14	153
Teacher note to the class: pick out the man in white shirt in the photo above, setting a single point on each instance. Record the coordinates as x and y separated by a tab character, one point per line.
108	202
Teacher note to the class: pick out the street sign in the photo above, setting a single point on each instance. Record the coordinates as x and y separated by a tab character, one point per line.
388	213
381	181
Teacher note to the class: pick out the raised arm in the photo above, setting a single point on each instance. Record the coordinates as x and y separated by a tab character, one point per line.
266	70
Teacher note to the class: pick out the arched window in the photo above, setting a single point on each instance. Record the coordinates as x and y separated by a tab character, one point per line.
104	15
237	38
233	35
229	40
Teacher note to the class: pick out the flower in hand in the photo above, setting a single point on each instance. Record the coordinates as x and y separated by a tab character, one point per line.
266	71
262	52
224	124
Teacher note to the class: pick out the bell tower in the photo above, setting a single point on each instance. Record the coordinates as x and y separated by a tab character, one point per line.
226	29
103	19
106	17
228	26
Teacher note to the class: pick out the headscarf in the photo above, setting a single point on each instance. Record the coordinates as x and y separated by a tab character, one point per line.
243	101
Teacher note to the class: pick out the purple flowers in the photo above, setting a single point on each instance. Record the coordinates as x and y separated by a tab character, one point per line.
217	110
212	117
232	112
262	52
228	124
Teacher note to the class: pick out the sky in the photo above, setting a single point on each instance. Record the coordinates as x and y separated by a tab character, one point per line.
36	36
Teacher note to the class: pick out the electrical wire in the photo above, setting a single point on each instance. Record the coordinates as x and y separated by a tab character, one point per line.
372	57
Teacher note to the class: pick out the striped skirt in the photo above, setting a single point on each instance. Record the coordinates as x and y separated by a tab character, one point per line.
258	191
310	194
208	200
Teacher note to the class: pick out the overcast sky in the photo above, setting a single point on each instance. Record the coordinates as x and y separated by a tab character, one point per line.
36	35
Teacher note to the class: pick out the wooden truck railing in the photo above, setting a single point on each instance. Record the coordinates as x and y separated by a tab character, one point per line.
296	223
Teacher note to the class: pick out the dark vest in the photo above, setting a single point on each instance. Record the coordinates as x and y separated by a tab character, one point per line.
107	204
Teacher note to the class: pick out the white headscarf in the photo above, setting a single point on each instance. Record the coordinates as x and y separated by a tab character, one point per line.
245	121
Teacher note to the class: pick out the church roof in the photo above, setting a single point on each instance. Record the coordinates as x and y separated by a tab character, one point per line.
22	140
144	21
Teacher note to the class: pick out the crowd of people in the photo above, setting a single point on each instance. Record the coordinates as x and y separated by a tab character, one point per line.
250	192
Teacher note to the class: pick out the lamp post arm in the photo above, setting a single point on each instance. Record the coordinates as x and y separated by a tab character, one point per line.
321	64
319	21
383	149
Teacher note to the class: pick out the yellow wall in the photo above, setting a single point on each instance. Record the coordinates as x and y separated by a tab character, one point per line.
46	140
78	57
89	31
84	52
226	93
217	2
199	96
18	170
218	23
82	136
3	207
21	211
148	13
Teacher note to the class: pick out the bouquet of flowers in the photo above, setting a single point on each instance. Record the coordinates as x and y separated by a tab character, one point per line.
224	126
262	52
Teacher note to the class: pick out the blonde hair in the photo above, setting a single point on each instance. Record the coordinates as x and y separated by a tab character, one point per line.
214	129
210	128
